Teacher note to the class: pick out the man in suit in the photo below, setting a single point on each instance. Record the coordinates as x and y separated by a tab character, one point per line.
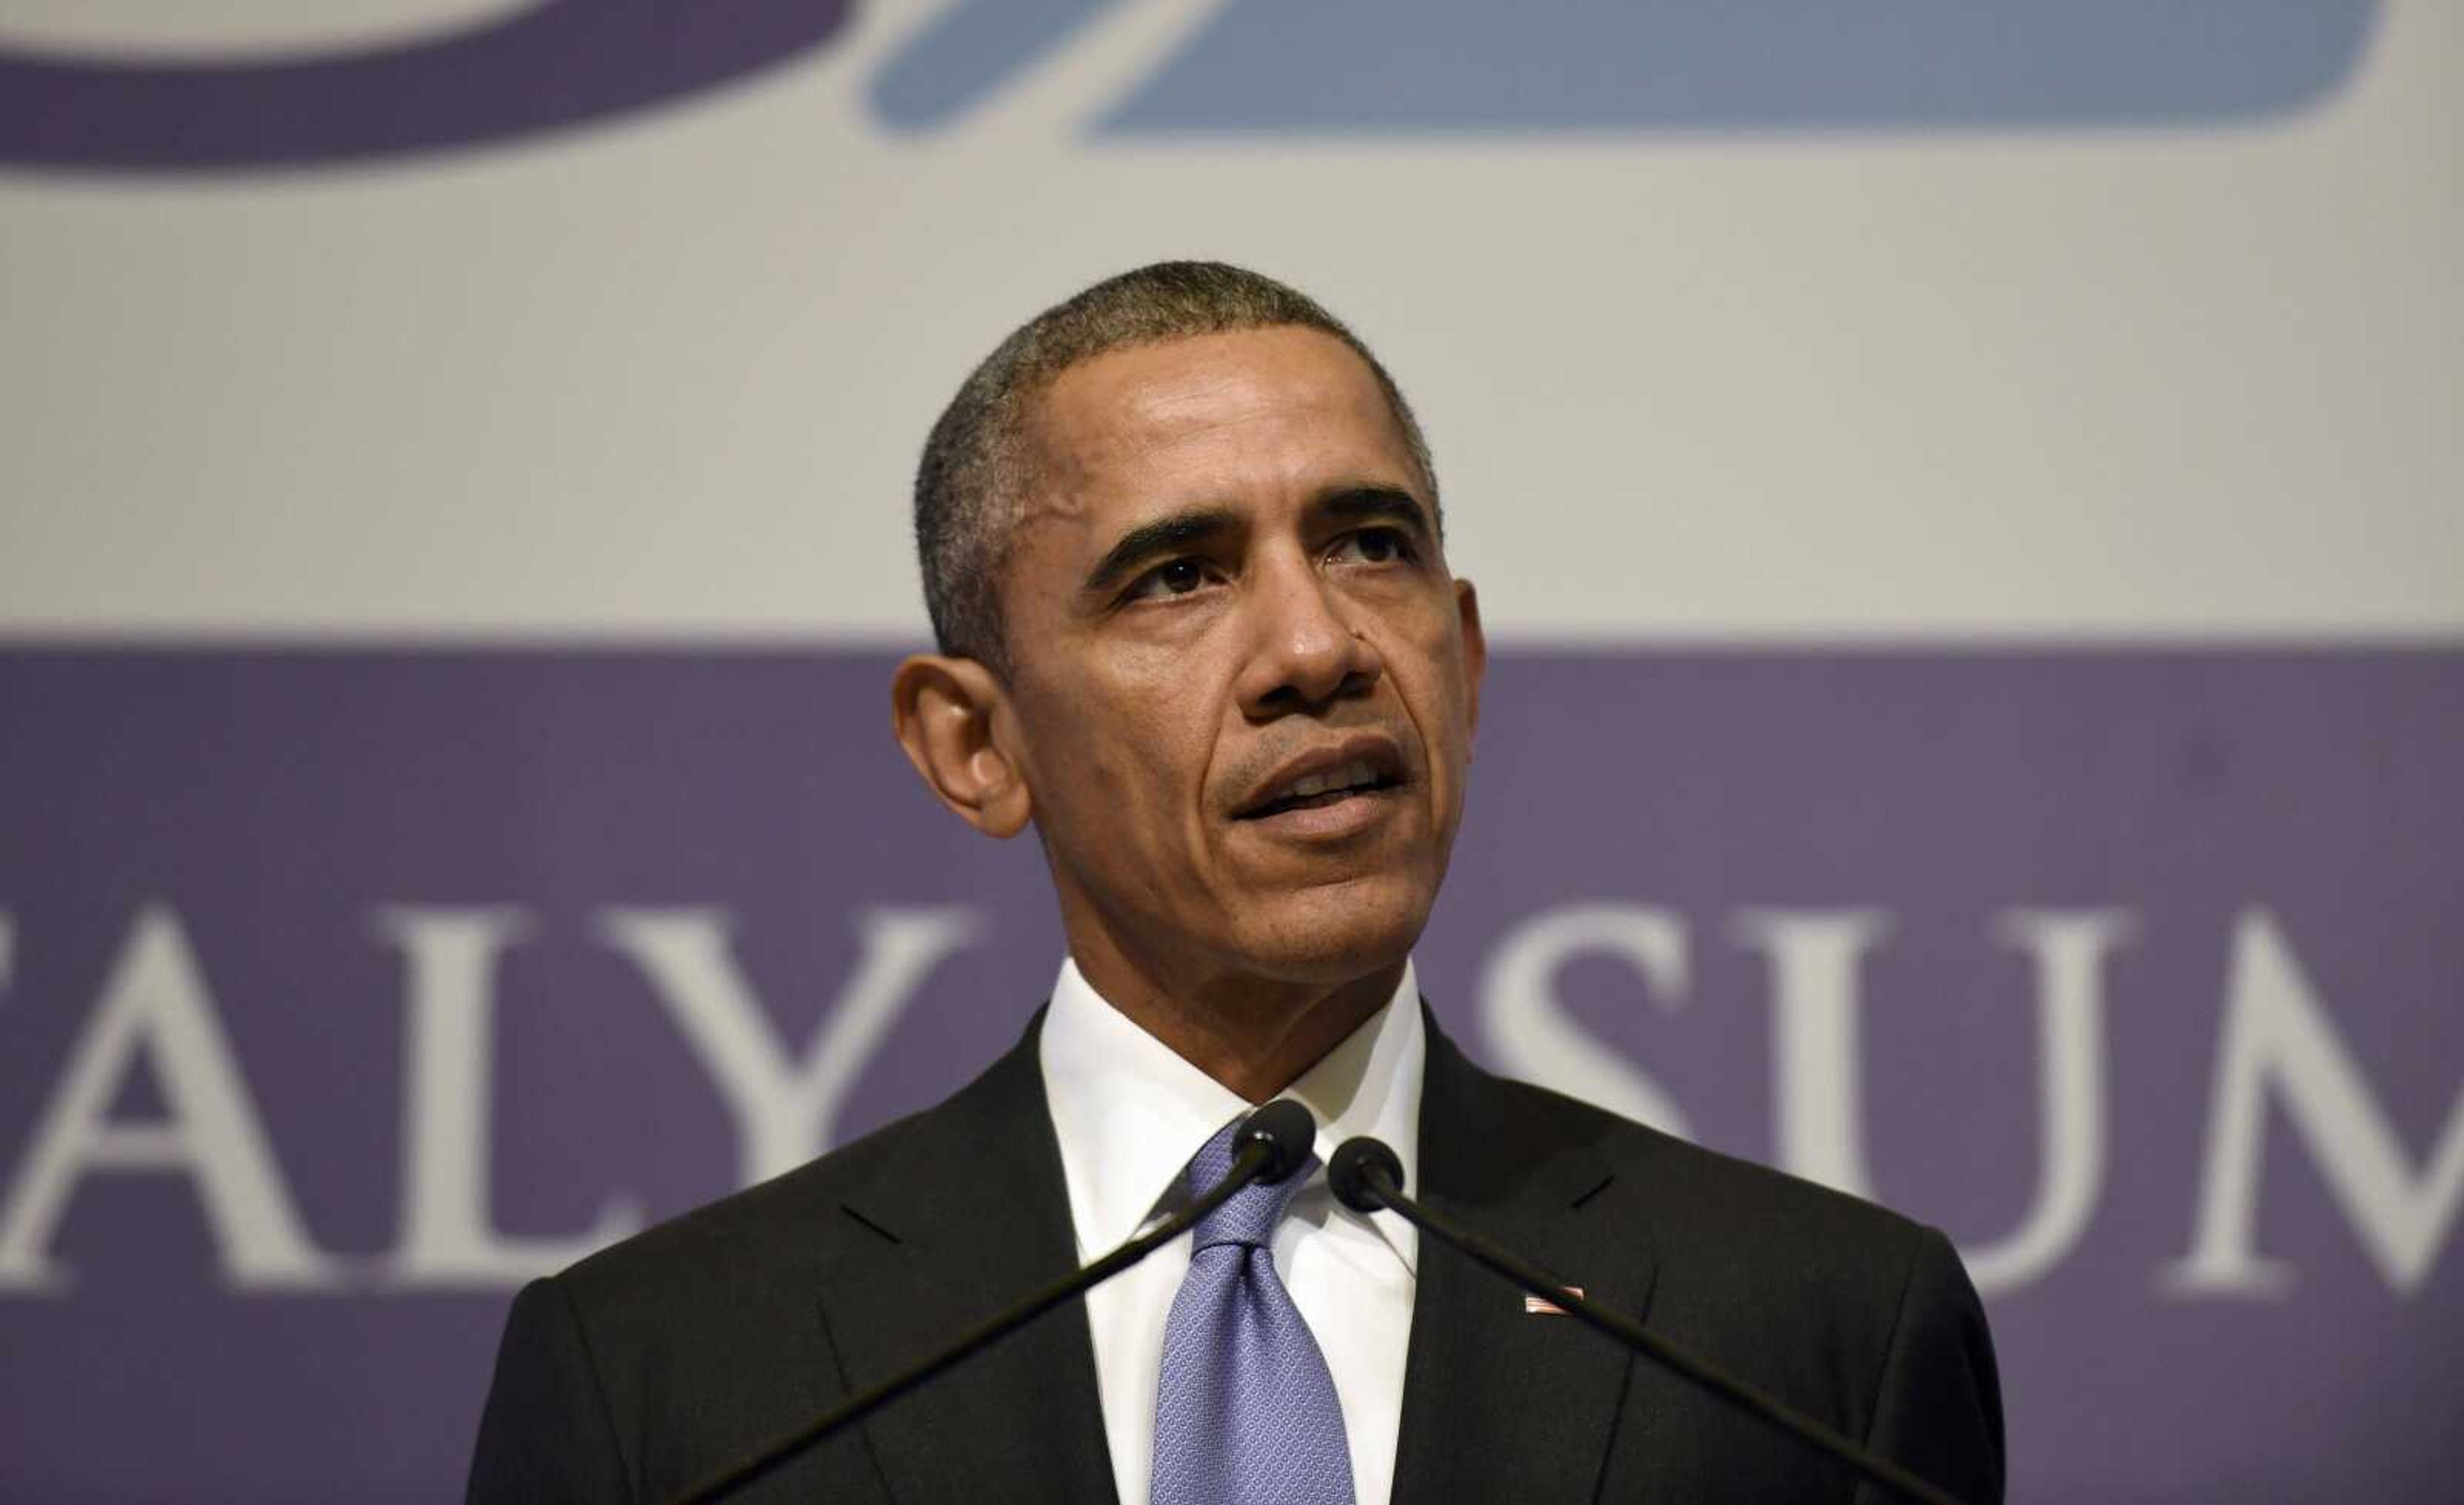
1183	552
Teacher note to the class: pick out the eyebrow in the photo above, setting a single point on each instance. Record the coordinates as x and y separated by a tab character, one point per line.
1178	531
1359	503
1183	530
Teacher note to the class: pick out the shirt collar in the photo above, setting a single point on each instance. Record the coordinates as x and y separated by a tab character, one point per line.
1130	1113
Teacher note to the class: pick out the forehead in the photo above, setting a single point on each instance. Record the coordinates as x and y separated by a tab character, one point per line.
1229	411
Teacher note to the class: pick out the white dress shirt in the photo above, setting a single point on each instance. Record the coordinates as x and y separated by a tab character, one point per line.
1130	1115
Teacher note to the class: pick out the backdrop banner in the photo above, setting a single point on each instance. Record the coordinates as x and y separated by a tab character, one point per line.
343	989
1964	503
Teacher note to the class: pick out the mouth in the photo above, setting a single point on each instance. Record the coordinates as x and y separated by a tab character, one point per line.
1339	777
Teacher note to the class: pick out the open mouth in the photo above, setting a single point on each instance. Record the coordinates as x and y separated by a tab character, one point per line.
1329	787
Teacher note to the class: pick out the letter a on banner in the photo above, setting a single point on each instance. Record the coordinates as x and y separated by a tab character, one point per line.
155	1007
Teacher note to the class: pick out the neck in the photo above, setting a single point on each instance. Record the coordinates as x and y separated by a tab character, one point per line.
1254	1034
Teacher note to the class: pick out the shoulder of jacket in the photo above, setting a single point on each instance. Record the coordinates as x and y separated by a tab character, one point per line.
789	1219
1711	1188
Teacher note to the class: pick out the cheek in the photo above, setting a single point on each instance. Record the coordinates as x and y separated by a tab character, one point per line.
1442	709
1443	691
1127	780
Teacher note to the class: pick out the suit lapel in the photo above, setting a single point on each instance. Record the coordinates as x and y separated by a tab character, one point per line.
1500	1403
969	1213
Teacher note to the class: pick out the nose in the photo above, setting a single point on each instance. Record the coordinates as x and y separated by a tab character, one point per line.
1306	652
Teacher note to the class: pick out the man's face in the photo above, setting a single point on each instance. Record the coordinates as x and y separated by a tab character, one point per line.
1242	681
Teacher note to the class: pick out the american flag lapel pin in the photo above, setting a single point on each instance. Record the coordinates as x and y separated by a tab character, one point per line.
1542	1306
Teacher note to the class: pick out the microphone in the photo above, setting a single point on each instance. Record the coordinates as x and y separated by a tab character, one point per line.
1270	1146
1366	1176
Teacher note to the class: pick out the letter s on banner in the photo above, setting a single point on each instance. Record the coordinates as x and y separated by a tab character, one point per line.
1533	1036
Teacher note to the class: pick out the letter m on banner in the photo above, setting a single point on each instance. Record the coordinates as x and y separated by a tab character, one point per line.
2279	1042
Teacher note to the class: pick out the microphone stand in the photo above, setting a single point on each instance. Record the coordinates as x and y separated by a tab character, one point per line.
1373	1173
1272	1146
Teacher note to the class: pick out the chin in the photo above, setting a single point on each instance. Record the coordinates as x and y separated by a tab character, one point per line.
1332	936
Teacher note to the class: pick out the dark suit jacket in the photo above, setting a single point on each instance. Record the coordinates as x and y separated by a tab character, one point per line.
648	1366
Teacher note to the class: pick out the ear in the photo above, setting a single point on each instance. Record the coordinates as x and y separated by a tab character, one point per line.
947	711
1475	650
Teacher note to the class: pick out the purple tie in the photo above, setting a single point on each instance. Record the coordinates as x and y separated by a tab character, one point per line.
1246	1412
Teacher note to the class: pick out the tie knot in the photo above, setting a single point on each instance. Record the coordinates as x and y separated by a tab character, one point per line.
1250	1216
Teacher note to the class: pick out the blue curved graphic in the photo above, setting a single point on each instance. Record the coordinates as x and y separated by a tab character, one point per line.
1455	66
969	52
556	63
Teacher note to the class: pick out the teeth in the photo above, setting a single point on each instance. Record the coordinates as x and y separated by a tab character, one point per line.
1356	772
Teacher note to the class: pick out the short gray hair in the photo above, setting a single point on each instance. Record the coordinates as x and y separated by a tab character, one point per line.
971	486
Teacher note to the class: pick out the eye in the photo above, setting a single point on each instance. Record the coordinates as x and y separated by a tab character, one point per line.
1372	546
1177	577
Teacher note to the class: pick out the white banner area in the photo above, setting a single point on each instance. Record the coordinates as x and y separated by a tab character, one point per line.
665	371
